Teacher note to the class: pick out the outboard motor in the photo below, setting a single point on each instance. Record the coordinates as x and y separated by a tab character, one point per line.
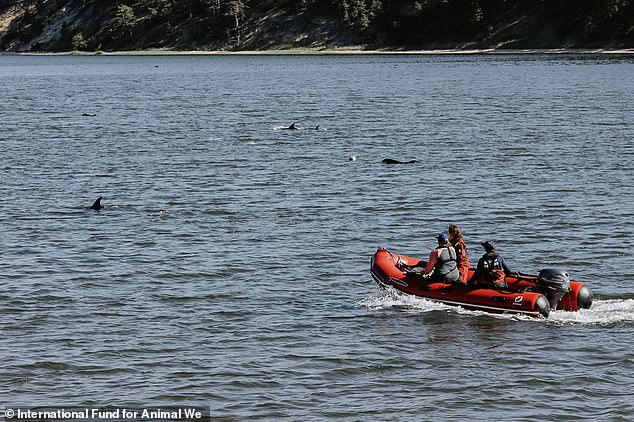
555	284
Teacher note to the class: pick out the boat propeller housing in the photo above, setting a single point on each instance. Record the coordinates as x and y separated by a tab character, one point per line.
555	284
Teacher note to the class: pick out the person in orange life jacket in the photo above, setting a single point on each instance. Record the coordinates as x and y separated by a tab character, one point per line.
442	266
455	238
491	268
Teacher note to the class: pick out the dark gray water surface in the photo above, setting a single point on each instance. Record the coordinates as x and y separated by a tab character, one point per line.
229	269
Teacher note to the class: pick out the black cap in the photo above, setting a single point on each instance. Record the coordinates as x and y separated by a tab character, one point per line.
488	246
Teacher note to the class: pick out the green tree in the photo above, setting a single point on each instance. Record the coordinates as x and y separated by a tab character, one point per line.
78	42
124	18
360	14
236	9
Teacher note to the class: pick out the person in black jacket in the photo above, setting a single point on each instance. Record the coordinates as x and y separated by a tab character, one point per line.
492	268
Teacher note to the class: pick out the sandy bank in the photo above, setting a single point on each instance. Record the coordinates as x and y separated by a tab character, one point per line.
342	51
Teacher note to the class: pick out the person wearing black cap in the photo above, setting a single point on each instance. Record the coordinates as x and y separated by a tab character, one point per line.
442	266
492	268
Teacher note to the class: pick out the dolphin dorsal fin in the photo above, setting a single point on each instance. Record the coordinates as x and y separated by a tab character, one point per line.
97	204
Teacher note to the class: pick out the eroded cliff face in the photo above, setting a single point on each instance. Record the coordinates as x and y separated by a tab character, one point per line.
27	26
65	25
108	25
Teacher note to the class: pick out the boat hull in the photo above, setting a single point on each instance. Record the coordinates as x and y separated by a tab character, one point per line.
385	267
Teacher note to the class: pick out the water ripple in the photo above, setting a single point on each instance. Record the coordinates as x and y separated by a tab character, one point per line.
229	267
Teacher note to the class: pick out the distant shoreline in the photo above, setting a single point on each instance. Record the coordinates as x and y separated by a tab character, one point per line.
333	52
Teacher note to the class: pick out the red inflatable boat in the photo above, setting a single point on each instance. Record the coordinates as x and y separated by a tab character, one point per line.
525	294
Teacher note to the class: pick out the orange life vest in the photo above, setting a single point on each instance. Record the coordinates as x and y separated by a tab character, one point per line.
492	270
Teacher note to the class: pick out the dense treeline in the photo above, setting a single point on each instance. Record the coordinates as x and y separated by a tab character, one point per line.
490	23
61	25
